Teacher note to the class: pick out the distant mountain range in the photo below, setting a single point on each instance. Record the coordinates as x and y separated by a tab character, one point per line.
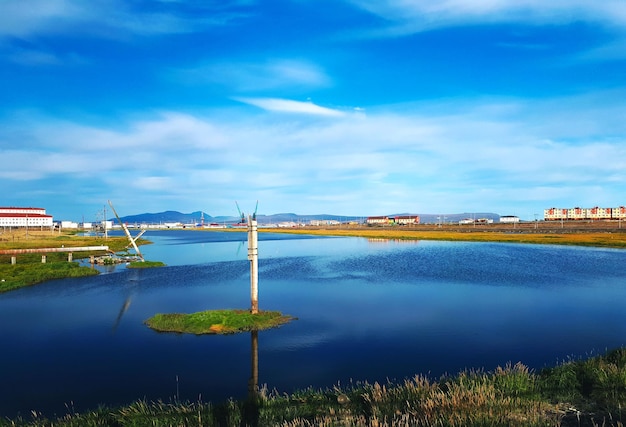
196	218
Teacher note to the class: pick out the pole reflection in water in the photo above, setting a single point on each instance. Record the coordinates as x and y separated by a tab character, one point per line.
251	406
121	313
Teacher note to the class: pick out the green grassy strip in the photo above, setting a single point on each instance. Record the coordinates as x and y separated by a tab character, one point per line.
29	269
217	321
20	275
588	392
145	264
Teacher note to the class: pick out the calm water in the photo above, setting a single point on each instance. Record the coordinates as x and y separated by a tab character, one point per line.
367	311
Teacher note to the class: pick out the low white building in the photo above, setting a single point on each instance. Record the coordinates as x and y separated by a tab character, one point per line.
378	220
319	222
406	219
24	217
509	219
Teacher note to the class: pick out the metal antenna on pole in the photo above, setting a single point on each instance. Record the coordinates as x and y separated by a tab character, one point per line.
242	219
130	238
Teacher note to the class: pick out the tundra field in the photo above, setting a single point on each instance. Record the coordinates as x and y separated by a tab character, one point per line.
603	234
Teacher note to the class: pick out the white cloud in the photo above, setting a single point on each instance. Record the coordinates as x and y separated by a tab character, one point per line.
246	77
463	156
19	18
106	18
152	183
289	106
407	16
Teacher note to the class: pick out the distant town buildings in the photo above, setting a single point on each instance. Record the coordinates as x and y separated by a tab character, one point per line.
578	214
24	217
393	220
319	222
481	221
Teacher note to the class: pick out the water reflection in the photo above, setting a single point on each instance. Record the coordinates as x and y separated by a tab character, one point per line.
394	241
251	405
367	312
121	313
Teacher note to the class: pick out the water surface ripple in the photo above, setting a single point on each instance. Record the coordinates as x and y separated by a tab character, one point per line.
367	310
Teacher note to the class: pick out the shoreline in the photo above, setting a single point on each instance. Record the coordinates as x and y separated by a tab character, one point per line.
580	236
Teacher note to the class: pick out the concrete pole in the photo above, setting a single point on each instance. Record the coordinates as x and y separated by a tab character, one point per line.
253	256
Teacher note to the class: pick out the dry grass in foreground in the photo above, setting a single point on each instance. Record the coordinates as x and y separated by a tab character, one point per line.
577	393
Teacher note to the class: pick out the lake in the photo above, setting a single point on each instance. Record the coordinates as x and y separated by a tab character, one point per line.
367	311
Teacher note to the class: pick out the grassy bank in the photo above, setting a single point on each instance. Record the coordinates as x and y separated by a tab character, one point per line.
29	270
20	275
579	237
217	321
19	239
578	393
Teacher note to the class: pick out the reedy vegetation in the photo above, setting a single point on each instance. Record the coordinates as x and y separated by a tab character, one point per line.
589	392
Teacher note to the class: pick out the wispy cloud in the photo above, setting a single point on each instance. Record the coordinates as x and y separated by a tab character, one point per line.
612	51
492	154
246	77
33	57
406	17
289	106
109	18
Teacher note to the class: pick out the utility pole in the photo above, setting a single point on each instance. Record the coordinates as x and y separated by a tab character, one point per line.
253	256
104	222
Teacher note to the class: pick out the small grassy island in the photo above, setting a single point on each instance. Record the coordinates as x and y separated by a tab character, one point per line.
145	264
217	321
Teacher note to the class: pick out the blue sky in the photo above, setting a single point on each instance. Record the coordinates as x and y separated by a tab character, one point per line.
347	107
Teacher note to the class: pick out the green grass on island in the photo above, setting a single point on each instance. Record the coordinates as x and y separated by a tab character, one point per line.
217	321
145	264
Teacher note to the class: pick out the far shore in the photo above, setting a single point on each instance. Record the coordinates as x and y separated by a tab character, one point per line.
592	234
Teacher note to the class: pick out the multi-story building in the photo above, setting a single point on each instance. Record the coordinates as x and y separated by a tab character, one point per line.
619	213
389	220
24	217
554	214
595	213
577	213
406	219
378	220
599	213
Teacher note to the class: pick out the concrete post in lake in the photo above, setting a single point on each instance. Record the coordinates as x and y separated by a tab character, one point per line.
253	256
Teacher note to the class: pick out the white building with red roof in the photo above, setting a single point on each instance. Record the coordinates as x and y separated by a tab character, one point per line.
24	217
